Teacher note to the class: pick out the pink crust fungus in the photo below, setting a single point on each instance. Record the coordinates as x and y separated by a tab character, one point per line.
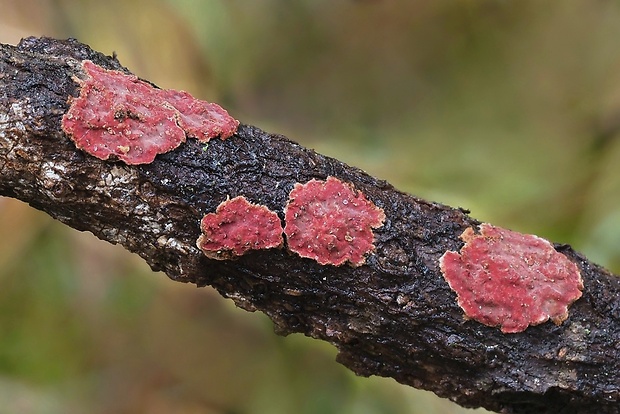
511	280
330	222
119	115
238	226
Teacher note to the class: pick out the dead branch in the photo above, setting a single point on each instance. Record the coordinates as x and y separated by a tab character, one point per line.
395	316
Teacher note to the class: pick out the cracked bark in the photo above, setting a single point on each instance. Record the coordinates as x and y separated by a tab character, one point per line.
394	317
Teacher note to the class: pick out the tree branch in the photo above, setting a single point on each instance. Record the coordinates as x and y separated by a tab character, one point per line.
395	316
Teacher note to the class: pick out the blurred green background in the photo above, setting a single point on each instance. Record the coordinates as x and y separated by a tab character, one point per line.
508	108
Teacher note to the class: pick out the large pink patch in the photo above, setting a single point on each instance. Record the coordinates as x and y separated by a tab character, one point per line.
330	222
511	280
117	115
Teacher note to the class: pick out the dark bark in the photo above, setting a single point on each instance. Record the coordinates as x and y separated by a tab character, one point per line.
395	316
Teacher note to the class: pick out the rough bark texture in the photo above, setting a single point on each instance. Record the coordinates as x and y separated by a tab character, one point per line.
395	316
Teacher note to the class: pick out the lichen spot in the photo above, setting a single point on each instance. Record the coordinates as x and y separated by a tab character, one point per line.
331	222
117	115
511	280
238	226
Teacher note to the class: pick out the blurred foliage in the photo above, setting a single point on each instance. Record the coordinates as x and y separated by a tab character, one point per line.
508	108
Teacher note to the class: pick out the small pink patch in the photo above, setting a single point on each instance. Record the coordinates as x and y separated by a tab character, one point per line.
330	222
511	280
200	119
238	226
121	116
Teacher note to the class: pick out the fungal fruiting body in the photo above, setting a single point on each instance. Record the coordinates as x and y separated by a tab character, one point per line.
238	226
511	280
331	222
118	115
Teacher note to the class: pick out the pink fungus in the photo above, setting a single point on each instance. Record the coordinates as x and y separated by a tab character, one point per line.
330	222
238	226
511	280
121	116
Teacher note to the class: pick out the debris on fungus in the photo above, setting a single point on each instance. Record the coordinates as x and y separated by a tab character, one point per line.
118	115
511	280
238	226
330	222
